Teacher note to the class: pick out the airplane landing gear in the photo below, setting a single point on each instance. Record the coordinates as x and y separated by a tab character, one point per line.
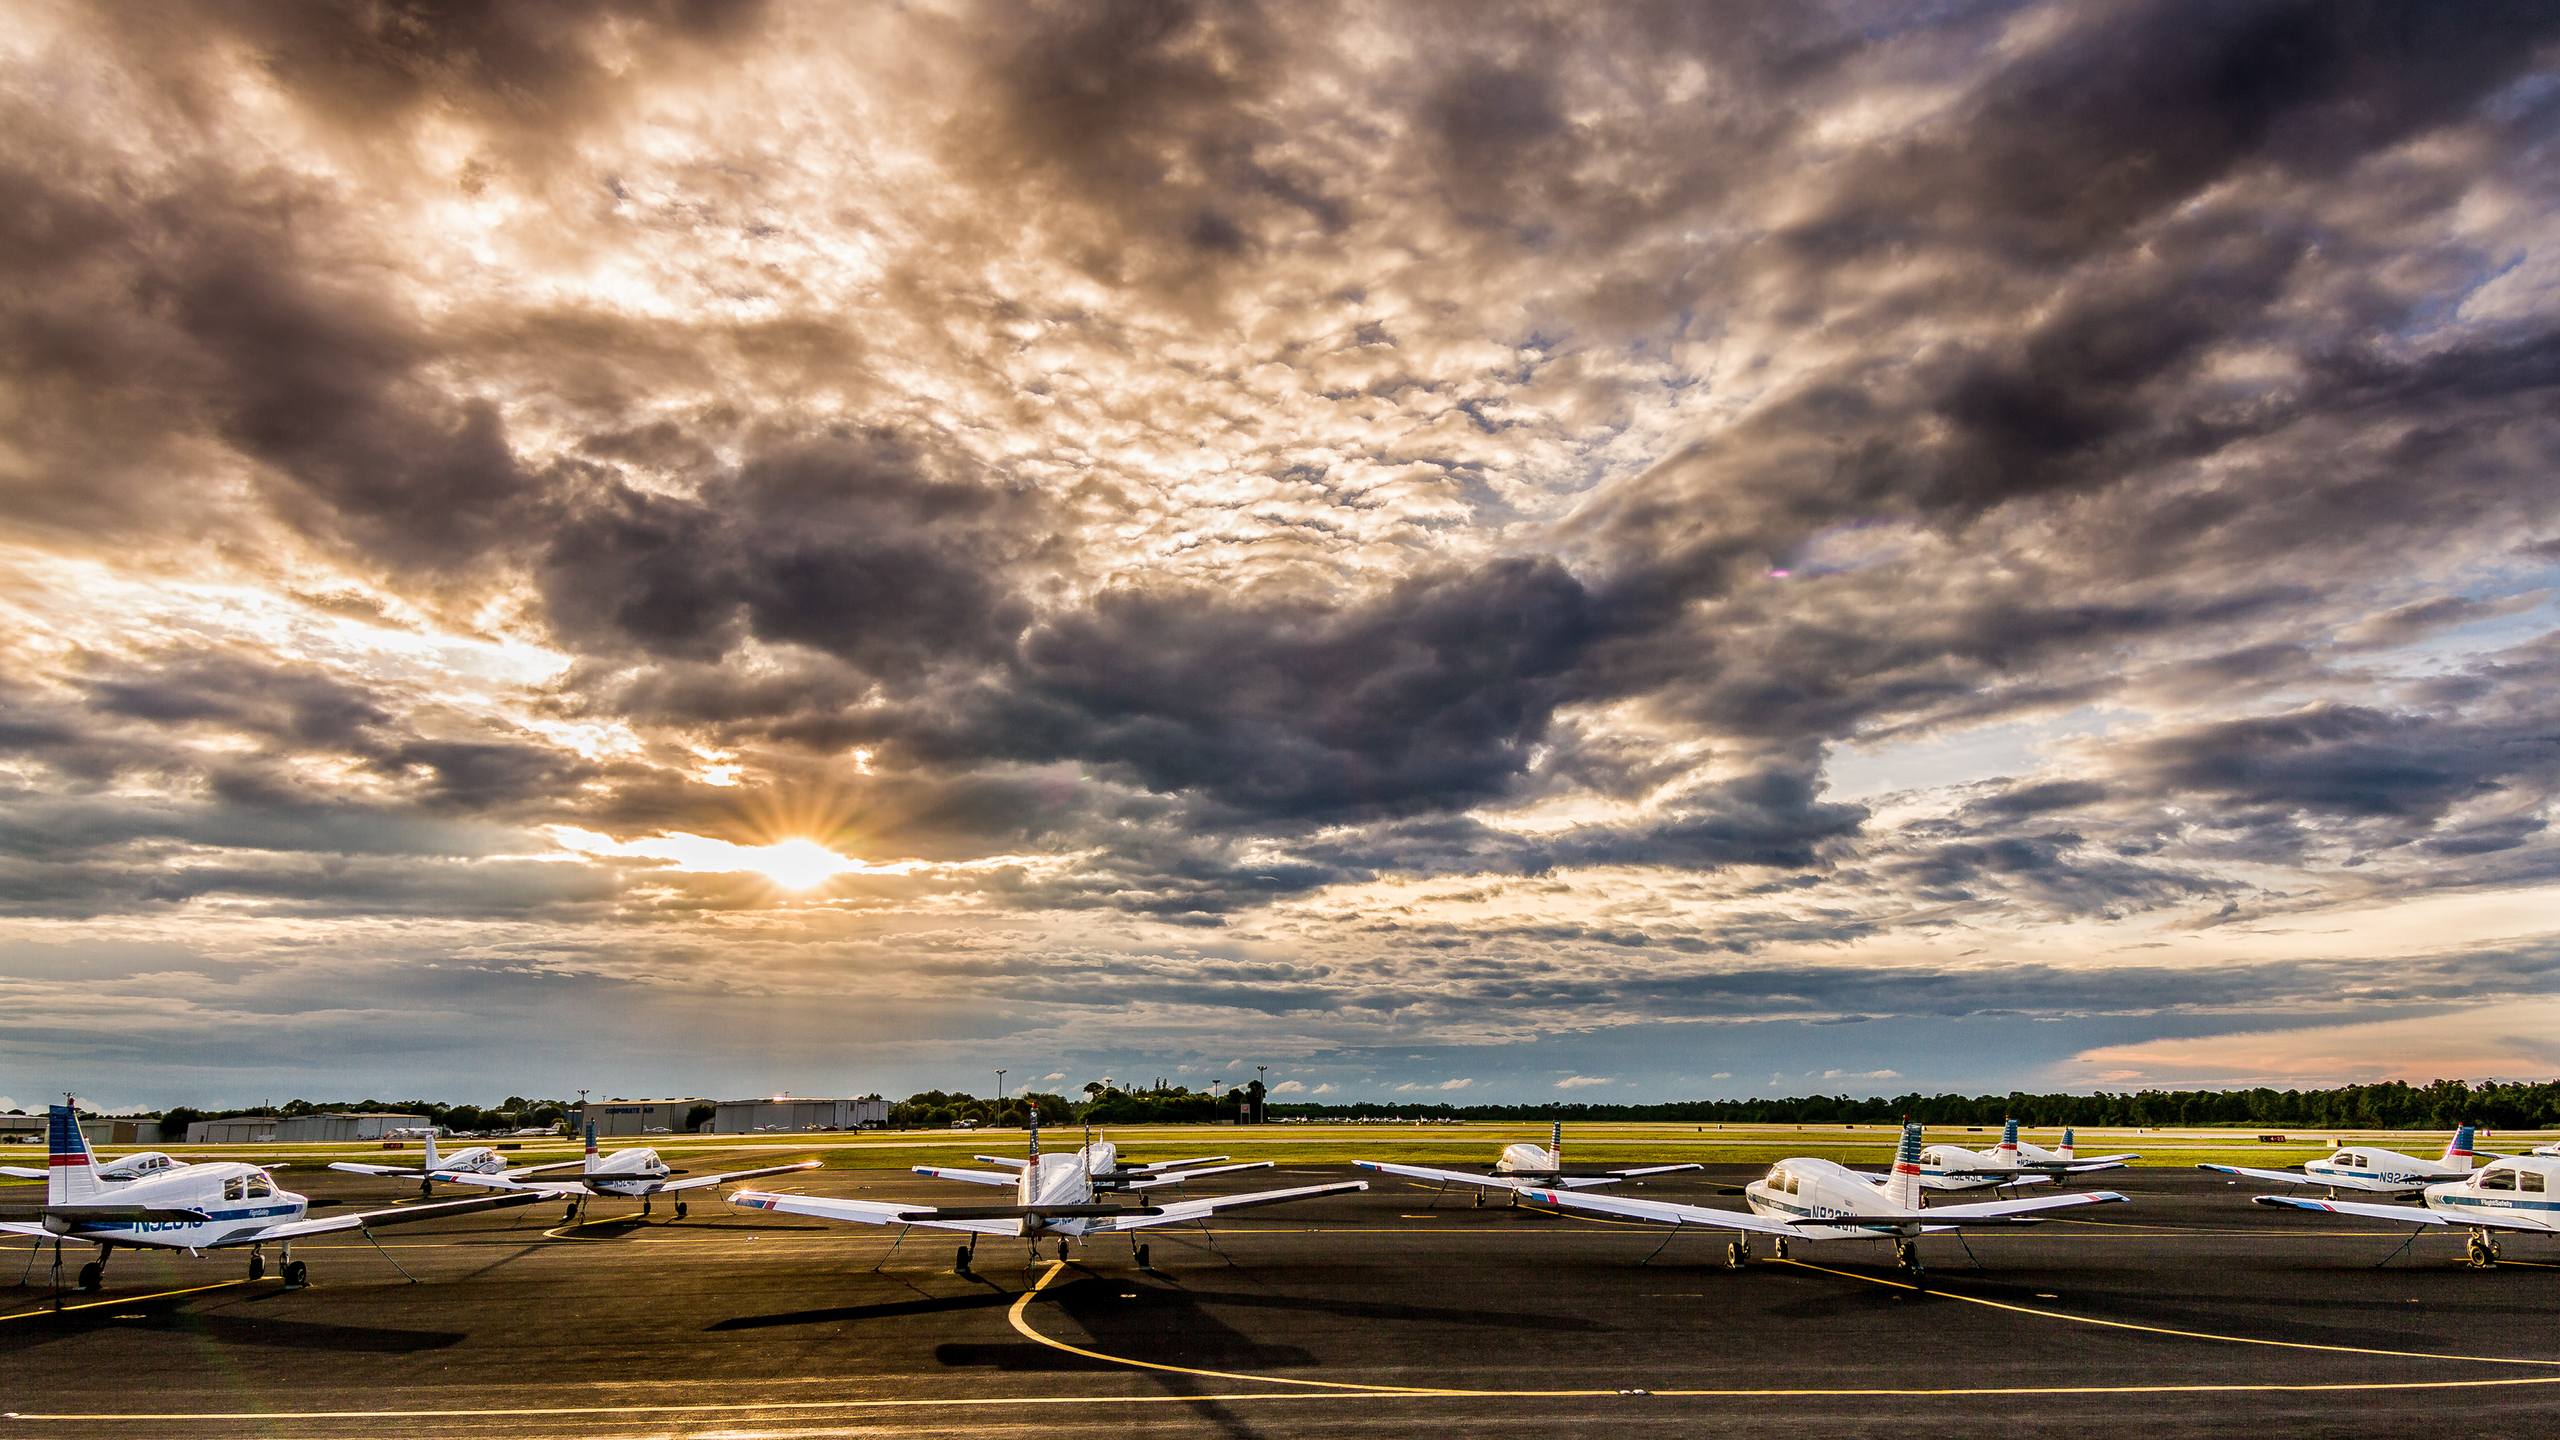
1142	1259
680	1210
296	1275
1780	1248
1062	1249
257	1263
1906	1256
92	1275
2480	1251
1736	1255
960	1261
1479	1199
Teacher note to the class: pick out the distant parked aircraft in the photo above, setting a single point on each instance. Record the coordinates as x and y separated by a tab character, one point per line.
2518	1193
1521	1167
636	1173
2371	1169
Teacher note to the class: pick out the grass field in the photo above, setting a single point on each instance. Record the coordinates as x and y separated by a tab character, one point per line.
1594	1144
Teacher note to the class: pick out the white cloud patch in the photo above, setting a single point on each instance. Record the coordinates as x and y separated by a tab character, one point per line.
1579	1082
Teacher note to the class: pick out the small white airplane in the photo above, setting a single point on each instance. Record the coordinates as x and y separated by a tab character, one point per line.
2371	1169
636	1173
2013	1163
2550	1149
1824	1200
2515	1193
218	1204
1054	1195
470	1160
138	1165
1101	1161
1522	1165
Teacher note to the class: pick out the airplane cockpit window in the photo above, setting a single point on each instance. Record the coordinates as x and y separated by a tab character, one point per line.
2351	1160
259	1189
235	1188
1778	1179
2529	1181
2497	1179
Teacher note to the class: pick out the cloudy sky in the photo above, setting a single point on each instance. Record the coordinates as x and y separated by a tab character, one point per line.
1516	553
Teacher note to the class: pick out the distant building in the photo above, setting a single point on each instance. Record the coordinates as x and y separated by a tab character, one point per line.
323	1127
634	1117
792	1112
100	1129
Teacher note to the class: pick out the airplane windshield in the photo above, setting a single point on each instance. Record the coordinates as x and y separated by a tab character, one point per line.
2497	1179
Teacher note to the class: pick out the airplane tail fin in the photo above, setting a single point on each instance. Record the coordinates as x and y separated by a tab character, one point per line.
1555	1144
592	1157
2459	1147
1902	1192
2065	1151
70	1171
429	1166
2009	1138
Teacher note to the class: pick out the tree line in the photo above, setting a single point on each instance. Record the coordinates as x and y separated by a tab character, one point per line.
2389	1105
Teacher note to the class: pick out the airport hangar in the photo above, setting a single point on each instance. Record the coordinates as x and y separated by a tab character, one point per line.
323	1127
620	1118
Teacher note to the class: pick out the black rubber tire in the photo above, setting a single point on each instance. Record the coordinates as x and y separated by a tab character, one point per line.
960	1262
296	1275
680	1210
92	1275
1143	1262
1779	1249
257	1267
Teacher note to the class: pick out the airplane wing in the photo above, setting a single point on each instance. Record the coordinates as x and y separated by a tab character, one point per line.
697	1182
1999	1211
368	1219
547	1169
553	1188
1007	1161
1650	1170
2324	1182
1182	1211
21	1172
973	1177
2011	1180
1180	1164
867	1212
358	1167
1662	1212
1445	1177
2124	1159
1176	1177
21	1227
2486	1219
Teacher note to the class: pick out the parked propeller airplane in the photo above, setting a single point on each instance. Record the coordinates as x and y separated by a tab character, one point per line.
471	1159
636	1173
219	1204
2371	1169
1824	1200
136	1166
1101	1160
1054	1195
2517	1193
2015	1162
1521	1166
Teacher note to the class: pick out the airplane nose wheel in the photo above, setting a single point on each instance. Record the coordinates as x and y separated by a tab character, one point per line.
2479	1250
1735	1256
1906	1256
1780	1248
296	1275
1062	1250
92	1275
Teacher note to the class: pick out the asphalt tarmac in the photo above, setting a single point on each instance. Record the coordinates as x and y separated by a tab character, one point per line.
1395	1312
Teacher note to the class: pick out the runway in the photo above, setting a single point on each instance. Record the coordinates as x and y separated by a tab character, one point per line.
1398	1311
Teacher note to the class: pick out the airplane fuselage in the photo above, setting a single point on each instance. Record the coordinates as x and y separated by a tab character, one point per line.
2384	1167
1819	1190
234	1198
2521	1191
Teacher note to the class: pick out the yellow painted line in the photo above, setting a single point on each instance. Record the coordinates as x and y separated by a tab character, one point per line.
132	1299
1022	1302
2165	1329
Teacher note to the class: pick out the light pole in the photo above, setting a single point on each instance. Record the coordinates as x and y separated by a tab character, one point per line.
999	1094
1261	1092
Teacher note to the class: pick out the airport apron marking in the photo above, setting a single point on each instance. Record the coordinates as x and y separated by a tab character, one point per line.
129	1299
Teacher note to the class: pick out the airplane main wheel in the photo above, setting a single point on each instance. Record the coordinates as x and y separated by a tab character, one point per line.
1780	1248
960	1262
569	1214
1062	1249
92	1275
1735	1257
296	1275
257	1266
1142	1259
680	1211
1907	1256
1479	1200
